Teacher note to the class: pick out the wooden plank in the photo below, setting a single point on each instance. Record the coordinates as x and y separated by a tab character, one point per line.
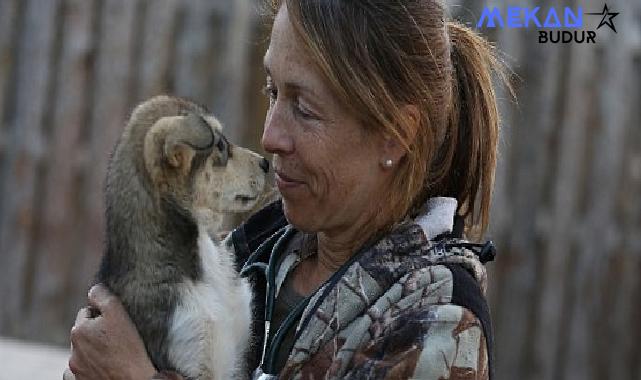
549	337
110	108
202	47
516	315
622	319
24	152
8	23
212	57
55	249
633	236
199	51
598	239
157	49
11	12
254	101
229	86
500	218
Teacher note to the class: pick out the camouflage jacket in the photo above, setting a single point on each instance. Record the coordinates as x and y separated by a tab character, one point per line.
409	306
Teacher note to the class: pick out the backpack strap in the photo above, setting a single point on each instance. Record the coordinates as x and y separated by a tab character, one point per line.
467	293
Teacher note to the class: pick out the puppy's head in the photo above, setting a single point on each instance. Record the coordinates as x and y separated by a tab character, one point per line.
189	160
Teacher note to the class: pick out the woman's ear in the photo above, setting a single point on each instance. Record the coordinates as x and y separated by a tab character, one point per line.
393	149
392	152
412	120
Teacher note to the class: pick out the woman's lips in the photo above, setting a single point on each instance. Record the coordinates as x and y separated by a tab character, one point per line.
285	182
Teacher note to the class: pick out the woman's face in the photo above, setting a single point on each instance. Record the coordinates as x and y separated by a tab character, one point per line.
328	168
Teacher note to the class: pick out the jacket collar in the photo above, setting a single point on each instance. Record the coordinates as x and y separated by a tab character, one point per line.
437	216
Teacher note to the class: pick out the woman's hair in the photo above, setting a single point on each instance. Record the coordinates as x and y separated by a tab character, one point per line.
381	56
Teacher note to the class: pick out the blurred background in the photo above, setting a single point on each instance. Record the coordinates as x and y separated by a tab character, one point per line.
566	285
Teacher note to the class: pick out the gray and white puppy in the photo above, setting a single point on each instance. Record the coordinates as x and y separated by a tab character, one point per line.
171	178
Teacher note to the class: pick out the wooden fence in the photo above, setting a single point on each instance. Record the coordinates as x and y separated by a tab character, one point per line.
566	287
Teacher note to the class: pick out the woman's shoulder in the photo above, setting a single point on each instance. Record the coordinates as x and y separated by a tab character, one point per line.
403	309
438	328
432	323
444	304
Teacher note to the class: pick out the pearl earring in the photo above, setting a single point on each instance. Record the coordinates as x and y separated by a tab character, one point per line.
388	163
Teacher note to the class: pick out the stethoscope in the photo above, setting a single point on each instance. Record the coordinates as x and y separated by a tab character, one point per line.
270	271
277	242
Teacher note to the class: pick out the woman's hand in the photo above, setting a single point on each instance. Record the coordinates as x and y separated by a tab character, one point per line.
105	343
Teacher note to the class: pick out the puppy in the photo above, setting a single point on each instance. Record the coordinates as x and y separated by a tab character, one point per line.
171	178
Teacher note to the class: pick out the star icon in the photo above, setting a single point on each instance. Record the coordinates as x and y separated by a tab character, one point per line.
607	17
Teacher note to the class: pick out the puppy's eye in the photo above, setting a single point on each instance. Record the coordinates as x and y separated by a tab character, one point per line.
220	145
224	152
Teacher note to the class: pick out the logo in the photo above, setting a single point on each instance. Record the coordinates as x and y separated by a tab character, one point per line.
607	18
554	24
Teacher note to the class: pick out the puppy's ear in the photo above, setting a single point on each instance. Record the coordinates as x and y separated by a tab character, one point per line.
190	135
176	140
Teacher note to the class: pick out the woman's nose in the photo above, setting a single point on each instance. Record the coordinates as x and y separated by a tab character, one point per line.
276	138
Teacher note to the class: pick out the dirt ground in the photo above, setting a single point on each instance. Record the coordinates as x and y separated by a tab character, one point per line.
22	360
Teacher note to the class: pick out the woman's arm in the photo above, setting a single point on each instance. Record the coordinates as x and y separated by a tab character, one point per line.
453	347
105	344
441	342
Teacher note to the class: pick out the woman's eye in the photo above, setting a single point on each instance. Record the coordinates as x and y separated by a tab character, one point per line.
270	91
303	112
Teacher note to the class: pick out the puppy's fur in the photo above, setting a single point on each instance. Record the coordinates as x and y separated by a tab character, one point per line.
171	177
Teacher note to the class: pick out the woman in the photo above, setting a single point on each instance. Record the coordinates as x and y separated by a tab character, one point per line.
383	125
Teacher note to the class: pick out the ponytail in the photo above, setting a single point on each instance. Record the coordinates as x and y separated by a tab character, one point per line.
473	125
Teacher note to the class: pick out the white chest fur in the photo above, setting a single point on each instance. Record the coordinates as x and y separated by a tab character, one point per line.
209	333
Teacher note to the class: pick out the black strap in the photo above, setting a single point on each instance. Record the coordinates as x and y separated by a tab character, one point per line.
458	227
467	293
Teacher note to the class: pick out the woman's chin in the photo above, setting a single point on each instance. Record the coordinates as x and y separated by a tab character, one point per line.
298	215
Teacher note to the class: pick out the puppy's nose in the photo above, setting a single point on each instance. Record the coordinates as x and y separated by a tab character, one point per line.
264	164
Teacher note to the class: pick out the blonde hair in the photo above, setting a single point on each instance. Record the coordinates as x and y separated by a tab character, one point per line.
380	56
